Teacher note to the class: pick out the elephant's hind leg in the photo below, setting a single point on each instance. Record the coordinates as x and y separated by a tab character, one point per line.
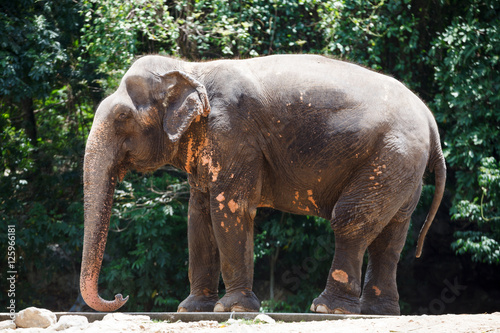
380	293
343	286
363	210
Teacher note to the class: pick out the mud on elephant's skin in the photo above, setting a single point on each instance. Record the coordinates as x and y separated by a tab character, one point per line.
300	133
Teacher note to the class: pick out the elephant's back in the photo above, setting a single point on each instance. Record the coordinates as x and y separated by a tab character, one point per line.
317	121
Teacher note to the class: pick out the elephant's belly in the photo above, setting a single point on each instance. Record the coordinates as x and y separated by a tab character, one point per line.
304	201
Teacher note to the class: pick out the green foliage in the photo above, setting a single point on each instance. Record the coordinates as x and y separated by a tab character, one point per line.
214	29
30	48
468	104
293	252
483	245
40	193
489	180
114	31
382	35
40	171
479	246
289	233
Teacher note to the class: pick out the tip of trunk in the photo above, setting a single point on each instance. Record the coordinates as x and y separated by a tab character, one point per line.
88	289
101	305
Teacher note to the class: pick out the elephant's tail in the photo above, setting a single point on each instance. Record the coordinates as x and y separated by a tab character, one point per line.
437	164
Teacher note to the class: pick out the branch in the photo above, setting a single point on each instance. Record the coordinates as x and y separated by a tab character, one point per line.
482	213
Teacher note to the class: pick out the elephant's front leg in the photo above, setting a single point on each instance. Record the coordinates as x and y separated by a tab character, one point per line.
204	263
232	218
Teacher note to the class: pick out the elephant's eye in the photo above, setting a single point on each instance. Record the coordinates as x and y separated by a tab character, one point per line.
124	116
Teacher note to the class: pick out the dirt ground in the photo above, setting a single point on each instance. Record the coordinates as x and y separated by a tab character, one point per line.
142	323
442	323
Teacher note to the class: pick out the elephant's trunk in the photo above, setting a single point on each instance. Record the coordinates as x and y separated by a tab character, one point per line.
99	185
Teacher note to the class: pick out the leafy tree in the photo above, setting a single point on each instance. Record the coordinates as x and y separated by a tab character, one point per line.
209	29
43	128
381	35
466	73
115	32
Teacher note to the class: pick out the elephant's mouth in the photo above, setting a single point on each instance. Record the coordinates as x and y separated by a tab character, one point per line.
121	173
124	168
130	163
146	167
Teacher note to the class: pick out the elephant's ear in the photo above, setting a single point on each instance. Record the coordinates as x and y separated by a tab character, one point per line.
186	99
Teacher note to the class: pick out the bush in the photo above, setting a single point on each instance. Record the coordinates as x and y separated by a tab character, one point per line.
467	63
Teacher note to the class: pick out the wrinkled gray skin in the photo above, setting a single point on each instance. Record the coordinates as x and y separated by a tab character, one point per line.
299	133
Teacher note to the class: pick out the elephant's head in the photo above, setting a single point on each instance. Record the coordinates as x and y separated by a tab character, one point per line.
137	127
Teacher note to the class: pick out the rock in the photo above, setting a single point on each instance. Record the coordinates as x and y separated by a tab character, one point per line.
208	323
264	318
232	321
125	317
35	317
6	324
120	322
28	330
68	321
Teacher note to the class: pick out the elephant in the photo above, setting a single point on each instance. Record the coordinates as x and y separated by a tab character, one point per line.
304	134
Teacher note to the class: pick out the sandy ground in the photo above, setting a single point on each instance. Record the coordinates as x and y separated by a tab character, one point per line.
441	323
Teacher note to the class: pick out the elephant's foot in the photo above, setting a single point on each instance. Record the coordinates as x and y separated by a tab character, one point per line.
335	305
239	301
380	306
198	303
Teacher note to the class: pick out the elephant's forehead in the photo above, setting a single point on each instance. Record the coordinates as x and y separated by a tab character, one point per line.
112	103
